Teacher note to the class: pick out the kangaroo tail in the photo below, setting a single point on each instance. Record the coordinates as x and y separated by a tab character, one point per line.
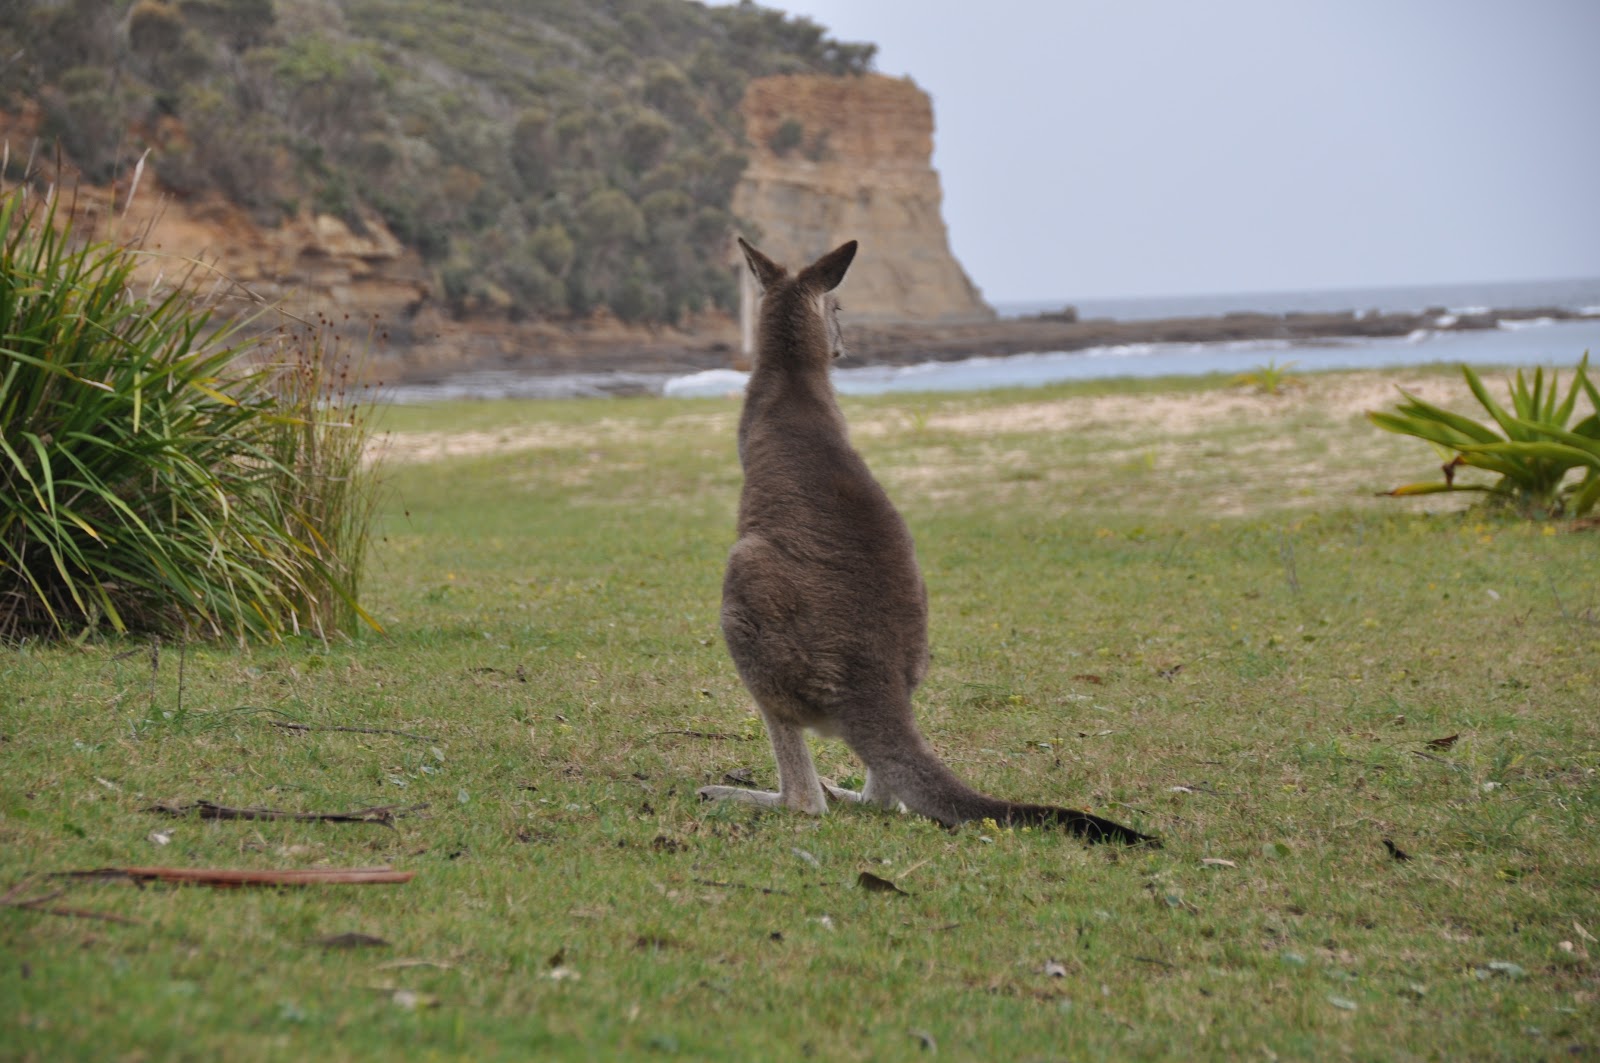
906	769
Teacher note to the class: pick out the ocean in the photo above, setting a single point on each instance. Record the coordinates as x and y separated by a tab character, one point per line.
1581	294
1540	341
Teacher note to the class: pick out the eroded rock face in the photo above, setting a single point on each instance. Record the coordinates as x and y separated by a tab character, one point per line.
836	159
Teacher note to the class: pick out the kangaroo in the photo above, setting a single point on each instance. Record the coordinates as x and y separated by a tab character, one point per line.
823	606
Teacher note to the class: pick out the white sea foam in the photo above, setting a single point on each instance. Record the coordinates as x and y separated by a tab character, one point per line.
709	383
1445	320
1510	325
1477	346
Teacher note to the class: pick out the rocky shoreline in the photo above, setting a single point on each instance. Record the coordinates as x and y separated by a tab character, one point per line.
465	350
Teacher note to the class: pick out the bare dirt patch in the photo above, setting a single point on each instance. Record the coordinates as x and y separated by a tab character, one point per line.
445	444
1183	413
1221	452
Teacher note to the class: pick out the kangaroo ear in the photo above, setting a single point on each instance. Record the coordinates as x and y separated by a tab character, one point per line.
767	271
828	270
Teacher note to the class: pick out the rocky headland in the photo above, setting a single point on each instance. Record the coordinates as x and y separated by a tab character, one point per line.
830	159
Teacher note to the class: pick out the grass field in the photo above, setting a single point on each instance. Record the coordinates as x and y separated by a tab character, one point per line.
1178	604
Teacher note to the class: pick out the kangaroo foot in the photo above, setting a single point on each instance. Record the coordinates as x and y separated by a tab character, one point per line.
816	806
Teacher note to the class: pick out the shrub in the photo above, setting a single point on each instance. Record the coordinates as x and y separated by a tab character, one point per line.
788	136
88	113
1268	379
1537	444
156	472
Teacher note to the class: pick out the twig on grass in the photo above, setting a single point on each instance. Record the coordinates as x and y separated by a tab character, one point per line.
75	913
739	886
228	878
41	905
290	725
715	736
382	814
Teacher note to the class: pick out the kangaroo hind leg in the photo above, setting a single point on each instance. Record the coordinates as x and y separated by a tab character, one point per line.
798	785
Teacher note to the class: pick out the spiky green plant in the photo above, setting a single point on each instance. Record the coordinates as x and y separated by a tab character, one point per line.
1535	449
155	474
321	443
1270	379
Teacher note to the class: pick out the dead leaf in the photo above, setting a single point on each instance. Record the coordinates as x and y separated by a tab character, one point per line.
1443	743
925	1039
411	1000
1087	678
1395	851
1055	969
873	884
1503	968
1582	933
1217	861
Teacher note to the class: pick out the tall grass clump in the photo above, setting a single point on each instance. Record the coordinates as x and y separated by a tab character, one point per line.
1533	446
159	472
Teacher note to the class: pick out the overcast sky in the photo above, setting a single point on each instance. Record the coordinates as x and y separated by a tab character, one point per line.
1094	148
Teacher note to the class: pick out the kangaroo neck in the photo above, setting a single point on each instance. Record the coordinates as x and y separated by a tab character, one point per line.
788	392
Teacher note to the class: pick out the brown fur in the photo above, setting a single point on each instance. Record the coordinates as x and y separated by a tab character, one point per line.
823	606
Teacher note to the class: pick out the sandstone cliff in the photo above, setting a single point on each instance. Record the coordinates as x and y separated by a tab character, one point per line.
834	159
858	167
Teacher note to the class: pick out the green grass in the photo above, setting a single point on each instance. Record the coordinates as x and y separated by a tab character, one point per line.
1208	628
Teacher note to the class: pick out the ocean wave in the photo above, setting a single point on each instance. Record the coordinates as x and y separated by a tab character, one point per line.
1511	325
1519	343
706	384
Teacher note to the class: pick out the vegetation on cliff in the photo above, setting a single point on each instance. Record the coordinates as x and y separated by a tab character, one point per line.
547	159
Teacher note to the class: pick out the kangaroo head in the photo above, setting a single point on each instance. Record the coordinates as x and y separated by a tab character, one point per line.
799	314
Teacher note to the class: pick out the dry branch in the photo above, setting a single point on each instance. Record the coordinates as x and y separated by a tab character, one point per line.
41	904
290	725
229	878
384	814
715	736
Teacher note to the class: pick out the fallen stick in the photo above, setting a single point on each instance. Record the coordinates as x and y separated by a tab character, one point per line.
75	913
716	736
41	904
227	878
384	814
290	725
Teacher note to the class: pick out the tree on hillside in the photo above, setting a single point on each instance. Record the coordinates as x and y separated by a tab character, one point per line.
476	130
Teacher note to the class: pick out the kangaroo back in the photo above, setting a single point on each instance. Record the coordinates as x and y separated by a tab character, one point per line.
823	606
